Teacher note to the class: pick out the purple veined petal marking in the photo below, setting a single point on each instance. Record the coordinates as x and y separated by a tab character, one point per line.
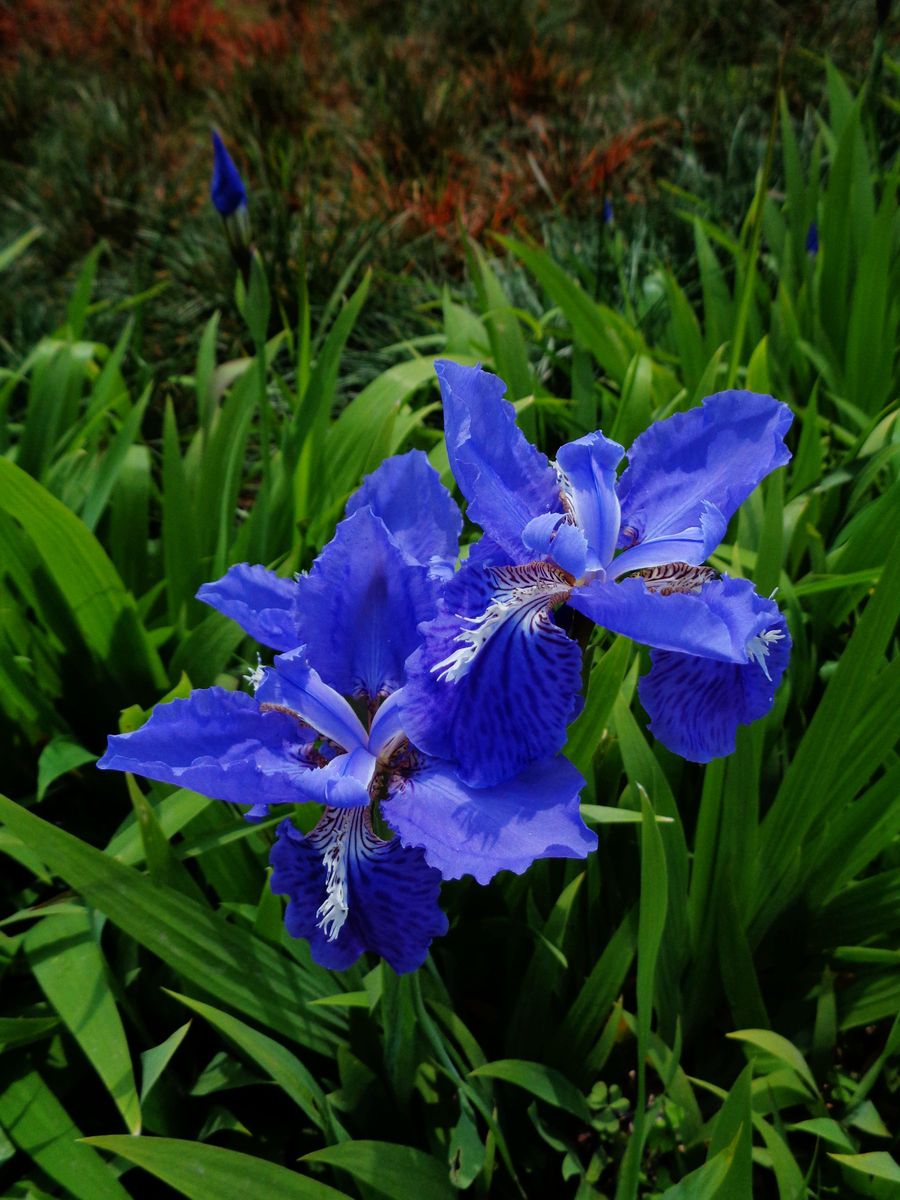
696	704
496	680
350	891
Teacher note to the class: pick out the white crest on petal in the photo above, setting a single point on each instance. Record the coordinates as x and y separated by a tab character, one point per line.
257	675
758	648
332	835
530	590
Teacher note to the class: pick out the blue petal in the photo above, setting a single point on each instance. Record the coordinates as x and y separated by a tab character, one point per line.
720	621
382	897
218	743
552	536
504	478
259	600
696	704
589	490
295	686
717	453
227	189
497	680
359	607
420	514
480	831
692	546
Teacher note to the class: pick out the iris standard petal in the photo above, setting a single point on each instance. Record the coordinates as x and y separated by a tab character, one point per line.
588	470
294	686
504	478
720	620
496	680
480	831
218	743
358	609
716	453
696	704
350	891
259	600
420	514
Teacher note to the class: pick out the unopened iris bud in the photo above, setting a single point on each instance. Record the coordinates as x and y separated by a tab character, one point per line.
812	239
229	197
607	211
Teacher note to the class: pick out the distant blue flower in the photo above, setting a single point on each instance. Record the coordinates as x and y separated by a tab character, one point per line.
812	239
497	678
607	211
226	188
347	628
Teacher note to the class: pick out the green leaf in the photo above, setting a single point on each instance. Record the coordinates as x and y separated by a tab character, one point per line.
155	1060
825	1128
19	1031
279	1063
779	1047
603	687
877	1164
397	1172
222	959
41	1128
732	1132
68	964
712	1181
544	1082
203	1172
104	613
61	755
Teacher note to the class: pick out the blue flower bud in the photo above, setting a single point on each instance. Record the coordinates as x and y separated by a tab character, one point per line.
607	211
227	188
812	239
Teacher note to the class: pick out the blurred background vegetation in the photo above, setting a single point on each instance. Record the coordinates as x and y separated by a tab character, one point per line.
381	130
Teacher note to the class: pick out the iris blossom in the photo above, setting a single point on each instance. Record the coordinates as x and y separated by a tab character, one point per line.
229	197
324	725
497	678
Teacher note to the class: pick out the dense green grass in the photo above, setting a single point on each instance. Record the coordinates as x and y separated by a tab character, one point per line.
708	1007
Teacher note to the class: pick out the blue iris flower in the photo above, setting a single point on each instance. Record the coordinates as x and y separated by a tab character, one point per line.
324	724
497	678
226	188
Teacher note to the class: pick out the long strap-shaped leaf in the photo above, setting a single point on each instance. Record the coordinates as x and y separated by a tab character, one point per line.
243	971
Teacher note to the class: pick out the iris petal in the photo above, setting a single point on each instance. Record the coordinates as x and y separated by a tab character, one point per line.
218	743
259	600
589	466
696	704
349	891
480	831
692	546
358	609
295	686
504	478
420	514
716	453
496	680
717	622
